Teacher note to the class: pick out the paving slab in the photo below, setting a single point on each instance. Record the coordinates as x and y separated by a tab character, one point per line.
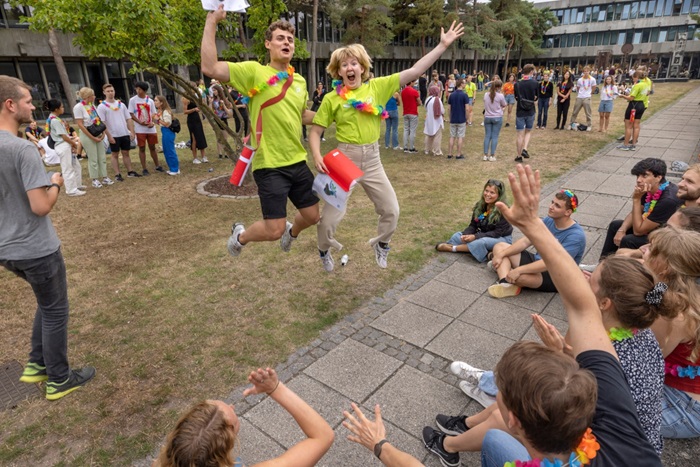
465	342
587	181
353	369
443	298
466	276
255	445
555	309
617	185
492	315
412	323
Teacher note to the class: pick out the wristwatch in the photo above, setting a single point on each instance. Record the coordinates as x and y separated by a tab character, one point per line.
378	448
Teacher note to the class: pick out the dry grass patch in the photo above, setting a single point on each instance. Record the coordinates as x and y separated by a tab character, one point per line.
168	318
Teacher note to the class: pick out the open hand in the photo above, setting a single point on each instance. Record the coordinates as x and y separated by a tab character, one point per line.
364	431
263	381
526	197
551	337
447	38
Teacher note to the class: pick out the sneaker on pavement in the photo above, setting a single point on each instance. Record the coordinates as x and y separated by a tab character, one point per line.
632	147
233	245
107	181
119	178
477	394
588	267
327	260
33	373
433	439
452	426
502	290
623	147
380	255
621	138
466	372
77	378
489	266
287	239
196	161
96	183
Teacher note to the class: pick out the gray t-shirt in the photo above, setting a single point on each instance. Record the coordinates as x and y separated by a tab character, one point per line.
23	234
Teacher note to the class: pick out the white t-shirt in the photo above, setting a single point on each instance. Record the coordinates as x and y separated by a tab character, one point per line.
142	110
585	87
115	116
81	111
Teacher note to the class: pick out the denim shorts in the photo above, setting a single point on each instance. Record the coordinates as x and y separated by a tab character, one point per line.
680	414
510	99
605	106
470	100
522	123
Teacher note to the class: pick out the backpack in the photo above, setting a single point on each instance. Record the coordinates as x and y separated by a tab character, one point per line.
49	140
582	127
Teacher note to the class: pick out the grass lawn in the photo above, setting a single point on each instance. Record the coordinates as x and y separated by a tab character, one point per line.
169	318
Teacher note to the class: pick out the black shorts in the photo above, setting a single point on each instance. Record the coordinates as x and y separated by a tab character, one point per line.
638	106
121	143
276	185
547	285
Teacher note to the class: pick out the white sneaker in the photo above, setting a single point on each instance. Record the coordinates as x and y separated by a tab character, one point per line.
233	245
589	128
323	139
489	266
466	372
196	161
107	181
477	394
76	193
492	158
588	267
204	159
96	183
485	157
327	260
380	255
287	239
482	123
173	173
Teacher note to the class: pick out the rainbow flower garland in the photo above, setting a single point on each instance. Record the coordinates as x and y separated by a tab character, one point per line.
651	200
92	112
482	216
690	371
620	334
586	450
346	94
109	106
272	81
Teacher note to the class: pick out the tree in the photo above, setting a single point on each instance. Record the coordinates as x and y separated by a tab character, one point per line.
420	19
259	16
368	24
61	67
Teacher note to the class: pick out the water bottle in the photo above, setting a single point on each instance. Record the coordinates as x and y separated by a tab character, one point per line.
344	260
632	114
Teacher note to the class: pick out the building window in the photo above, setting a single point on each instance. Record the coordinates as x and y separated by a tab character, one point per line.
606	38
671	34
618	11
679	6
75	76
662	35
642	9
625	12
668	9
566	16
634	11
8	69
659	8
556	42
594	15
579	17
637	38
651	5
11	15
654	37
577	40
587	15
645	36
696	7
621	38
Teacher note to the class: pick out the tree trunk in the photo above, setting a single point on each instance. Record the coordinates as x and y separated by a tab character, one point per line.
520	59
476	52
311	82
184	73
504	76
244	38
505	65
62	72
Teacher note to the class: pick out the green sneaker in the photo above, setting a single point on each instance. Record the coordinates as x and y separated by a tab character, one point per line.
77	378
33	373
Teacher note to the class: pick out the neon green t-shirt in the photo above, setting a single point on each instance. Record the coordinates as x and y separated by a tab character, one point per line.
280	145
353	126
470	89
640	92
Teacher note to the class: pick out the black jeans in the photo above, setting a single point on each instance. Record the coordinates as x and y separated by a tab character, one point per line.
562	111
628	241
47	276
542	111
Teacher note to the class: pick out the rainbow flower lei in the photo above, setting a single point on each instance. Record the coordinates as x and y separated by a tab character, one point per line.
482	216
651	200
690	371
272	81
620	334
346	94
586	450
92	112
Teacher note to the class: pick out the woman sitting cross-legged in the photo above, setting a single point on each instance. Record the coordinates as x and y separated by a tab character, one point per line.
487	227
207	435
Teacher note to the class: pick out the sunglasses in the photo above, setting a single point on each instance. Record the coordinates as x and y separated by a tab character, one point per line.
496	183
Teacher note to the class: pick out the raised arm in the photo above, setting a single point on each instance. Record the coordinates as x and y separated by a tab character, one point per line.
586	328
319	435
446	39
211	66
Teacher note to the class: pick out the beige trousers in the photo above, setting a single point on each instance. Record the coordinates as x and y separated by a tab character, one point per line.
379	190
434	143
586	104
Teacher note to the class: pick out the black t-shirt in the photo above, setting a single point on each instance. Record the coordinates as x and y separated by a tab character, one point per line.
527	90
666	205
615	424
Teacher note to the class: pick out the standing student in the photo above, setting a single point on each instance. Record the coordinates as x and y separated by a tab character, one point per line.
564	90
434	122
142	109
222	108
120	131
457	106
608	93
638	100
470	90
526	96
391	139
198	142
544	100
279	165
411	100
63	144
509	94
494	103
358	134
165	120
29	246
585	86
85	115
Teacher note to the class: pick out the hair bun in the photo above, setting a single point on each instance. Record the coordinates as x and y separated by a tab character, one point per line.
656	295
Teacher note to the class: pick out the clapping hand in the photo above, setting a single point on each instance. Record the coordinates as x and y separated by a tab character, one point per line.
263	381
455	31
551	337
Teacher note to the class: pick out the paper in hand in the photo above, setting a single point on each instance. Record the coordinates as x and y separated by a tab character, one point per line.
236	6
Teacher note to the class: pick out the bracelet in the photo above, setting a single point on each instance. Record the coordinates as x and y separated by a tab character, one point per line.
378	448
56	185
278	385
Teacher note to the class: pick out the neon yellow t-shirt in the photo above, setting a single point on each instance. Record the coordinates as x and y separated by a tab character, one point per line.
280	145
353	126
640	92
470	89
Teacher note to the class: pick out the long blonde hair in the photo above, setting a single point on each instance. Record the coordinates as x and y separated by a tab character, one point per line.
680	251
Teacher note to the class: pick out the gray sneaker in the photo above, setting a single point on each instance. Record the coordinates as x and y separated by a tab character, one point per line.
473	391
380	255
233	245
466	372
287	239
327	260
489	266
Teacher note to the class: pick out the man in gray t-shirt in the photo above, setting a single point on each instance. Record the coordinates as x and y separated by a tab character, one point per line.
29	246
